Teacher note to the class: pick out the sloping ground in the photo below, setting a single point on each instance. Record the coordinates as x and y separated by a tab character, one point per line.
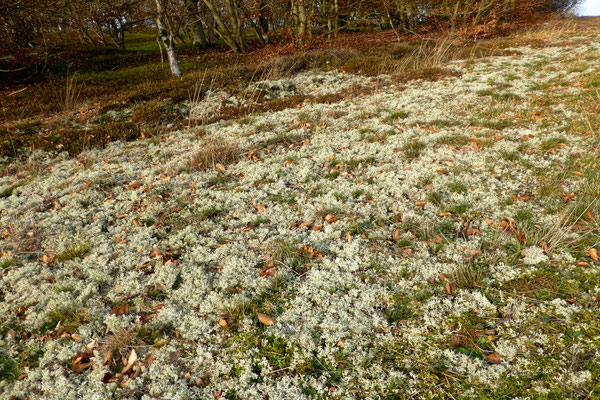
430	240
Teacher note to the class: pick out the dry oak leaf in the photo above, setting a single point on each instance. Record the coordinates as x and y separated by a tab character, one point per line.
420	203
120	310
135	185
349	237
493	358
82	361
268	270
133	357
307	224
265	319
397	235
472	231
593	254
220	167
174	356
311	252
155	253
77	337
260	208
330	218
581	263
448	287
48	259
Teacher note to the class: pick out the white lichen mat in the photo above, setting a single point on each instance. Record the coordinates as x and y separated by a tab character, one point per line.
415	242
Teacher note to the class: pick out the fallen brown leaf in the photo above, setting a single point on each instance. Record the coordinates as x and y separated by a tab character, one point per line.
448	287
493	358
472	231
265	319
330	218
155	253
120	310
220	167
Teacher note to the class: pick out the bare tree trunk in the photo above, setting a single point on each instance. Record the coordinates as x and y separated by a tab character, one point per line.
336	18
221	28
167	38
301	18
210	27
196	27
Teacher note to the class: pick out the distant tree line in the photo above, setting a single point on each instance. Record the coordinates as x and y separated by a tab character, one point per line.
239	23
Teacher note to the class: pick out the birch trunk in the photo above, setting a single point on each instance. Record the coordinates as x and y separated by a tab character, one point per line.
167	38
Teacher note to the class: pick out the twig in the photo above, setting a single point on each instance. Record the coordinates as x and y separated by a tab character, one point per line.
18	91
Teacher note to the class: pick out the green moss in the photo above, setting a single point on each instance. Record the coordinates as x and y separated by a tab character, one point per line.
6	192
444	123
289	254
413	149
458	187
76	250
393	117
9	370
211	212
510	155
552	143
7	262
453	140
402	308
499	96
283	197
278	353
459	209
70	318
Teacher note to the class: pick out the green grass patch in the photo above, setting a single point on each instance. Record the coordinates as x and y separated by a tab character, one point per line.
76	250
413	149
453	140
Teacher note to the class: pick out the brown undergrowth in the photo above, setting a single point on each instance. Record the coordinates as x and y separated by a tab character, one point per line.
138	99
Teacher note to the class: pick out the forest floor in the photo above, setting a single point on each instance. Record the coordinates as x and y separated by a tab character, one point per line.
416	221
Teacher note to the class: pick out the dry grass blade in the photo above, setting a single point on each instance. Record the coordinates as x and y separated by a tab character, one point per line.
552	32
561	229
215	153
72	92
428	57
